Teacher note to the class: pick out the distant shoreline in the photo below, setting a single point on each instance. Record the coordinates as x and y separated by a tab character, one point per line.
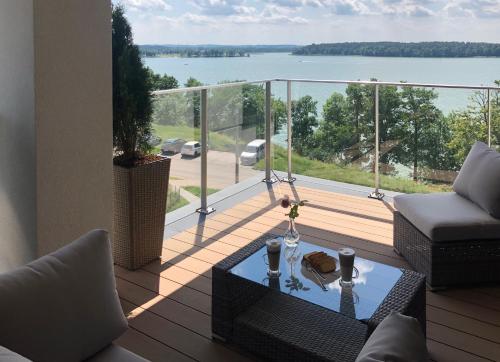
403	50
172	55
364	49
179	56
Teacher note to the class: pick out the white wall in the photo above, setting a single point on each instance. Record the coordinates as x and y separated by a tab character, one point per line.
73	77
55	124
17	135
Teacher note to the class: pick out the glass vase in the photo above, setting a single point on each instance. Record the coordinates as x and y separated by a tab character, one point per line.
291	236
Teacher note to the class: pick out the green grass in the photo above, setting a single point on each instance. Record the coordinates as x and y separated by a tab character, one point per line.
349	174
216	141
196	190
178	203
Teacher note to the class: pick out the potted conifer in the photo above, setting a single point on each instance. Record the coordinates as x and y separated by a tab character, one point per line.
140	178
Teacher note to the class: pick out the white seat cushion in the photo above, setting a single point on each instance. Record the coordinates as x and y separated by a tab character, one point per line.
447	217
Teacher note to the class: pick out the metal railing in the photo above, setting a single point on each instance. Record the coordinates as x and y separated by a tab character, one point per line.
204	122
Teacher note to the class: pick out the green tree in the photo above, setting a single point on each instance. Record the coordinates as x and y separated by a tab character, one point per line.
132	98
335	133
422	133
162	82
279	114
304	122
471	125
172	109
225	108
194	100
466	128
390	114
356	103
361	114
192	82
254	108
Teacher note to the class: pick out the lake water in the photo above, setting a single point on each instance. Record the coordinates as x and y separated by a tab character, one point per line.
464	71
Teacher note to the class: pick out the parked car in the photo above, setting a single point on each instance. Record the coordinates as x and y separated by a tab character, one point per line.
172	145
191	148
254	152
153	140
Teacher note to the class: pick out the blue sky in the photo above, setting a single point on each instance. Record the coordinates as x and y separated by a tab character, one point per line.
308	21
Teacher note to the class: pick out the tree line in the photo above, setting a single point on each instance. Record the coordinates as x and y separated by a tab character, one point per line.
199	51
413	131
397	49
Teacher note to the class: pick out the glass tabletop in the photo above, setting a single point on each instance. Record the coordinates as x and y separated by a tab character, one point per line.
360	301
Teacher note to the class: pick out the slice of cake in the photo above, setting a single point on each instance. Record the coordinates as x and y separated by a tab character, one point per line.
321	261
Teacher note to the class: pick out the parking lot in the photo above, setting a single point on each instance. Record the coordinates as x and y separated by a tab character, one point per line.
221	170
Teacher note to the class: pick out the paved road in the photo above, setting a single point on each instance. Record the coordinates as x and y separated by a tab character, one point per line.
221	170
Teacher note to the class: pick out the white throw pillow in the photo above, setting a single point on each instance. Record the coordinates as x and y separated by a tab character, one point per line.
398	338
64	306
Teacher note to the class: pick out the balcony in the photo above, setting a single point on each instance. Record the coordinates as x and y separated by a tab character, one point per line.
349	195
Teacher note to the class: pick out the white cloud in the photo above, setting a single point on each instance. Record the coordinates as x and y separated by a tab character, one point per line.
415	8
307	21
294	4
145	5
348	7
473	8
220	7
270	19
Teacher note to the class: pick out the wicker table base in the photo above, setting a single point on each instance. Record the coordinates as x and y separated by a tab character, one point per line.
279	327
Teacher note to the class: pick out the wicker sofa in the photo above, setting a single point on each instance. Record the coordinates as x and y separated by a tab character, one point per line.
454	238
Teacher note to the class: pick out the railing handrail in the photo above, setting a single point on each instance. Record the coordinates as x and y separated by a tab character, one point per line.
326	81
398	84
208	87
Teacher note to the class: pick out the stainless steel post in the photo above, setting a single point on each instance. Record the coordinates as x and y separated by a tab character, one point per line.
268	177
289	177
204	209
377	194
489	117
237	156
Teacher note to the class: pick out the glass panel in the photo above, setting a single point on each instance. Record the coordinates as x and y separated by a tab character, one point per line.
236	135
333	135
176	120
375	281
279	128
425	135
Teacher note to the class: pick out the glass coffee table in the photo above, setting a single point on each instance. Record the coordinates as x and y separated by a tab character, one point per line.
273	317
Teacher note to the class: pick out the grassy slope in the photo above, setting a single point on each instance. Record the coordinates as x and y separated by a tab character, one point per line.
304	166
196	190
177	204
349	174
216	141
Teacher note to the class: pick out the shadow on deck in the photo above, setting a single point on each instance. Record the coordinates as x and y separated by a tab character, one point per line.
168	302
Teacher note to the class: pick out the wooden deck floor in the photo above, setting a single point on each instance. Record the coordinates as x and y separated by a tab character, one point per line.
168	303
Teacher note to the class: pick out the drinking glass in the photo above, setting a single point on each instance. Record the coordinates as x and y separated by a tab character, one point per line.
346	258
273	247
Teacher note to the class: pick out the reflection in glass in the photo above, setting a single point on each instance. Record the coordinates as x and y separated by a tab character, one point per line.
375	281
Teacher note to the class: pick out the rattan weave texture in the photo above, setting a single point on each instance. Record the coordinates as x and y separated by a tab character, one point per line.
139	195
447	263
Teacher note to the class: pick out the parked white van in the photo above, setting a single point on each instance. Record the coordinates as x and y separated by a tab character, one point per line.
253	152
191	148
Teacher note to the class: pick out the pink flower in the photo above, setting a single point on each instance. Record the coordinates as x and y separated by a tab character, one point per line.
285	202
